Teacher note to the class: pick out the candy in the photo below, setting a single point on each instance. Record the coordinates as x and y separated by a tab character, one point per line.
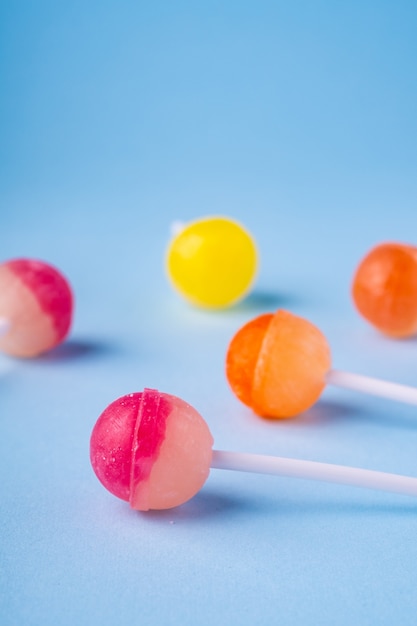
278	364
212	262
154	450
151	449
35	307
385	289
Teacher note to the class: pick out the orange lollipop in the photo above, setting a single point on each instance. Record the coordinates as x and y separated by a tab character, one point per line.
385	289
278	364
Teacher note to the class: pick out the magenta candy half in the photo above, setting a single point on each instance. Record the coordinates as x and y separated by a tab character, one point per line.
151	449
37	303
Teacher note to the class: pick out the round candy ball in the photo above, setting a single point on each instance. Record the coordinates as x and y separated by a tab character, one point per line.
36	305
276	364
212	262
384	289
151	449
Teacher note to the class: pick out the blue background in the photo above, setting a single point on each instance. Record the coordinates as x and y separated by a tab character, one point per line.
117	118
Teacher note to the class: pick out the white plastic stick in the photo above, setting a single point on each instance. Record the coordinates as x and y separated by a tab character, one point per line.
4	326
311	470
177	227
373	386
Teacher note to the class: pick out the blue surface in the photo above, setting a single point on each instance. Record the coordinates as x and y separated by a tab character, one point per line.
116	119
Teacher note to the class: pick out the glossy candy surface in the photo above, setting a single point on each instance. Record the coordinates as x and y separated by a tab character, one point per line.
151	449
385	289
276	364
212	262
36	303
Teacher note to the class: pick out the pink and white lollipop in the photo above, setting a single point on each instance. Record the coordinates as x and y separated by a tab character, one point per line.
36	305
154	450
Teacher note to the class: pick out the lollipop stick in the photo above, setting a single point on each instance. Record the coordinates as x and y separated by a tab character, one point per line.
311	470
4	326
176	227
373	386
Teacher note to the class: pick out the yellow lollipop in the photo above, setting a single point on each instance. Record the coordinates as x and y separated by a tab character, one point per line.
212	261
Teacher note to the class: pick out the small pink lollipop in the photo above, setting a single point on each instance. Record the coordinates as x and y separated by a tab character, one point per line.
36	306
154	450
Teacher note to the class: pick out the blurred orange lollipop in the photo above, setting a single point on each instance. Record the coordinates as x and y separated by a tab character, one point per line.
385	289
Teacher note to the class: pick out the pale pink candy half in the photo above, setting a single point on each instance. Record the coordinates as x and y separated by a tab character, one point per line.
36	301
182	464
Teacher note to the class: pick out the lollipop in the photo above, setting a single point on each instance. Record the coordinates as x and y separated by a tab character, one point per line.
35	307
154	450
385	289
278	364
212	262
151	449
